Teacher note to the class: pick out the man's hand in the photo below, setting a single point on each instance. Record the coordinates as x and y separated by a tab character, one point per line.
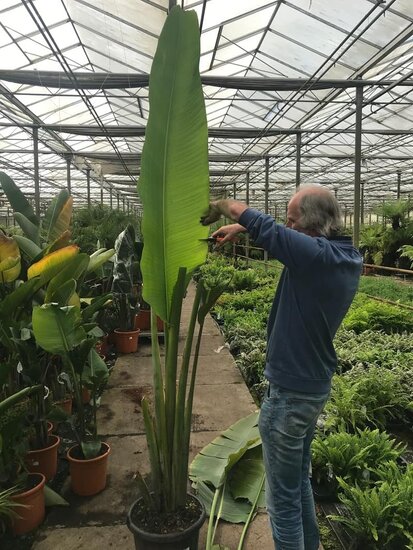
225	207
212	215
226	233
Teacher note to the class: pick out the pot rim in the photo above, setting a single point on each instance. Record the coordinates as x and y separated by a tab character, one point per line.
171	537
44	449
29	492
133	331
89	460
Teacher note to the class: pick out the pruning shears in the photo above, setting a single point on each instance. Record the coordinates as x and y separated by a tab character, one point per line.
217	239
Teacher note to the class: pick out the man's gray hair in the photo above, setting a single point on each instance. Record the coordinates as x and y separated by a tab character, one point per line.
320	212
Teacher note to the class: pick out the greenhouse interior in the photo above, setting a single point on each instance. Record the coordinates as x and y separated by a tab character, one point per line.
206	274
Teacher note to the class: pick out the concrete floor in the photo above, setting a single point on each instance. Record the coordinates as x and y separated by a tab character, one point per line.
98	523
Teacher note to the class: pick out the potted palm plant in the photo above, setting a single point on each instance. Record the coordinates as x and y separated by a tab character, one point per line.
125	302
174	188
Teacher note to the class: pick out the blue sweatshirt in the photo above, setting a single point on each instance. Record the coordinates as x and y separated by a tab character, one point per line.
317	286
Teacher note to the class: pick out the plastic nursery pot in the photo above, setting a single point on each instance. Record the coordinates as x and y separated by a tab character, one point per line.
88	477
127	342
65	404
102	346
44	461
33	512
182	540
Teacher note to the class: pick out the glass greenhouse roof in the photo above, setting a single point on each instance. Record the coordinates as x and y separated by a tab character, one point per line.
102	128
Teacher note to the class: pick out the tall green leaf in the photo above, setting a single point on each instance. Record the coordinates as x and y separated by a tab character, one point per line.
17	200
28	247
30	229
58	215
174	180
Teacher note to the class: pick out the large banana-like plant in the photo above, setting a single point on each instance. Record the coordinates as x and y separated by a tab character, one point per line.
174	188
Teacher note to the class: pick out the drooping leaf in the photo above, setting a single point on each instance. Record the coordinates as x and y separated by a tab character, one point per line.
57	329
50	265
28	247
174	172
97	304
232	511
217	458
58	216
17	200
96	371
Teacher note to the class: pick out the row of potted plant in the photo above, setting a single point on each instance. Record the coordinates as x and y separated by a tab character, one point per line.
47	347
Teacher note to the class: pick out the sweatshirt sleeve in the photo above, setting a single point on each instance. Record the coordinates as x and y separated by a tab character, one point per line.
290	247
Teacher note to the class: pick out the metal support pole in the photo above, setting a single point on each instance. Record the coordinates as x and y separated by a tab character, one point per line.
234	194
247	200
88	186
68	175
36	171
369	218
267	186
118	200
345	216
123	201
110	198
357	165
298	161
101	191
362	203
399	182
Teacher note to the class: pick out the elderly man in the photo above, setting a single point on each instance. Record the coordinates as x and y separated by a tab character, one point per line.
316	288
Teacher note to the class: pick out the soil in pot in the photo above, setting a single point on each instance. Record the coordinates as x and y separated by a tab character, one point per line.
168	531
44	461
127	342
32	515
88	477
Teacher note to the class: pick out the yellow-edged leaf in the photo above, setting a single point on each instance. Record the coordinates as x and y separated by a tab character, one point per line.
51	264
9	259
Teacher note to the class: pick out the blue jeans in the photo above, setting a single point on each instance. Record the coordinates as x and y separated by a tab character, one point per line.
287	423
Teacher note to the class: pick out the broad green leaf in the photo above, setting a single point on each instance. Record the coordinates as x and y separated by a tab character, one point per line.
217	458
21	295
17	200
97	260
91	448
28	247
74	269
174	182
232	511
50	265
57	329
30	229
58	216
64	293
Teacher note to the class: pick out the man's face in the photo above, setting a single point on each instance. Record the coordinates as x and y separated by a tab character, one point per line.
293	214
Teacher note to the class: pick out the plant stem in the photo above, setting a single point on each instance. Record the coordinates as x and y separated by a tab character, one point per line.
209	538
250	515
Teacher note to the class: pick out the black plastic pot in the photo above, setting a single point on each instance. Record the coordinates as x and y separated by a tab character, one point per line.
184	540
324	492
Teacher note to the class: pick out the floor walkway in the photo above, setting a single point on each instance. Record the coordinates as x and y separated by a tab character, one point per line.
98	523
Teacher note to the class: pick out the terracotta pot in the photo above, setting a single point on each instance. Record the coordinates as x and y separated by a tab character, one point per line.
32	516
44	461
143	321
127	342
88	477
86	396
65	404
102	346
